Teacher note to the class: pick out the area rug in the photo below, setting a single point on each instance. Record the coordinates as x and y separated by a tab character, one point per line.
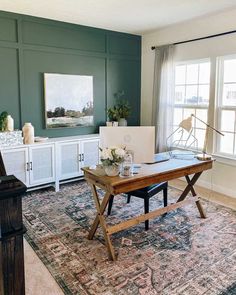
180	253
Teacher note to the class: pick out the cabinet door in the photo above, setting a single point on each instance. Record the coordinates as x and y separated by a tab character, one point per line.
16	163
42	169
90	152
69	160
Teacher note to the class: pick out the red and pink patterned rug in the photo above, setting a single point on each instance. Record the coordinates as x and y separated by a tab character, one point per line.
179	254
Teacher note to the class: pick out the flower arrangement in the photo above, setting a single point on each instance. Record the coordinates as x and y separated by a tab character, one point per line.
112	156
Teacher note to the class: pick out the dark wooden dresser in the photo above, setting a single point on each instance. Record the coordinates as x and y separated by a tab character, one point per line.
12	279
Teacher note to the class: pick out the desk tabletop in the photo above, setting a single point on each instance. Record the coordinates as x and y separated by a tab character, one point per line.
148	174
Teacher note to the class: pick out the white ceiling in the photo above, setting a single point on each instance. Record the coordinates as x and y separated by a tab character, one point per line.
132	16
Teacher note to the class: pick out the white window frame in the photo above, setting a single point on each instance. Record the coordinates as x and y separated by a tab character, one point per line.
219	108
194	106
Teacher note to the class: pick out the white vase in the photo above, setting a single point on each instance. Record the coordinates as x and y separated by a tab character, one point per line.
28	133
10	123
115	124
122	122
112	170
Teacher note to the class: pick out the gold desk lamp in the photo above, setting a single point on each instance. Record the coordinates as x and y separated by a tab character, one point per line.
191	140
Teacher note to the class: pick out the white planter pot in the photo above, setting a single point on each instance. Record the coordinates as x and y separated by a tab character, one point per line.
112	170
122	122
115	124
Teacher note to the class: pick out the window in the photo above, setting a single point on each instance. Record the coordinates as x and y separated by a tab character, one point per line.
192	87
226	106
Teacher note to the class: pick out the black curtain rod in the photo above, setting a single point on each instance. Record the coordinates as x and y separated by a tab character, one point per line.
202	38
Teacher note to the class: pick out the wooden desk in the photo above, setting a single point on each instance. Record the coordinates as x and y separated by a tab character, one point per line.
148	174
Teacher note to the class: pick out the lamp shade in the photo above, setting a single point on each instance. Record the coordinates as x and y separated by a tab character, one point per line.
186	124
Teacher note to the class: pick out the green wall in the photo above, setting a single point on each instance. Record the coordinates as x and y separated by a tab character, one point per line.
31	46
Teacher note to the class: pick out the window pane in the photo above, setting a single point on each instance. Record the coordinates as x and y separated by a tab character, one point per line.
178	116
204	73
192	74
230	70
229	94
226	143
188	112
203	94
227	120
191	95
201	114
179	94
200	135
180	72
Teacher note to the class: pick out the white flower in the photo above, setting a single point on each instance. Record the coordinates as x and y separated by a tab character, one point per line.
106	154
114	147
120	152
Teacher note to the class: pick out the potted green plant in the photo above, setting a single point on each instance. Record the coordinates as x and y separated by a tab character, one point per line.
122	108
112	116
3	121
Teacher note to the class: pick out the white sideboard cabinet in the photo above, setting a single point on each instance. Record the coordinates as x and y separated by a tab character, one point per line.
74	155
53	161
33	164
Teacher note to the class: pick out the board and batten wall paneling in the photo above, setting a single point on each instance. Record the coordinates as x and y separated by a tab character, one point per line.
8	30
125	75
31	46
9	86
63	37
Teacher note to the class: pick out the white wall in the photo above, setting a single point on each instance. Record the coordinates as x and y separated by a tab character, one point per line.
222	177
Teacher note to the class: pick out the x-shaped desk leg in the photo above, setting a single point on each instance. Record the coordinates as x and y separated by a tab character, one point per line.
189	188
100	219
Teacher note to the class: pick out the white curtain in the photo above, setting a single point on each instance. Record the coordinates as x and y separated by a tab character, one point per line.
163	95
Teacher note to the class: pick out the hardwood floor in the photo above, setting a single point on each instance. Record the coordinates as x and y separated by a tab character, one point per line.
38	279
208	194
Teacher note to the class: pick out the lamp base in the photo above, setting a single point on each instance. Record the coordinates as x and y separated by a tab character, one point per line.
204	157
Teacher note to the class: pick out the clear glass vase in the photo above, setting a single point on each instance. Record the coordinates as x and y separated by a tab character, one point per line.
127	166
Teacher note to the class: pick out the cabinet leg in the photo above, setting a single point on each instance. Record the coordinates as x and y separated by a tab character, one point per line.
57	186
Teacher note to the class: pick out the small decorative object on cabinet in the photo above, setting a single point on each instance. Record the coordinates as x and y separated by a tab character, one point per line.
10	123
28	133
11	138
111	159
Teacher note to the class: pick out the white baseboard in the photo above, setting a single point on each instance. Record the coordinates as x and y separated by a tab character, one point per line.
217	188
